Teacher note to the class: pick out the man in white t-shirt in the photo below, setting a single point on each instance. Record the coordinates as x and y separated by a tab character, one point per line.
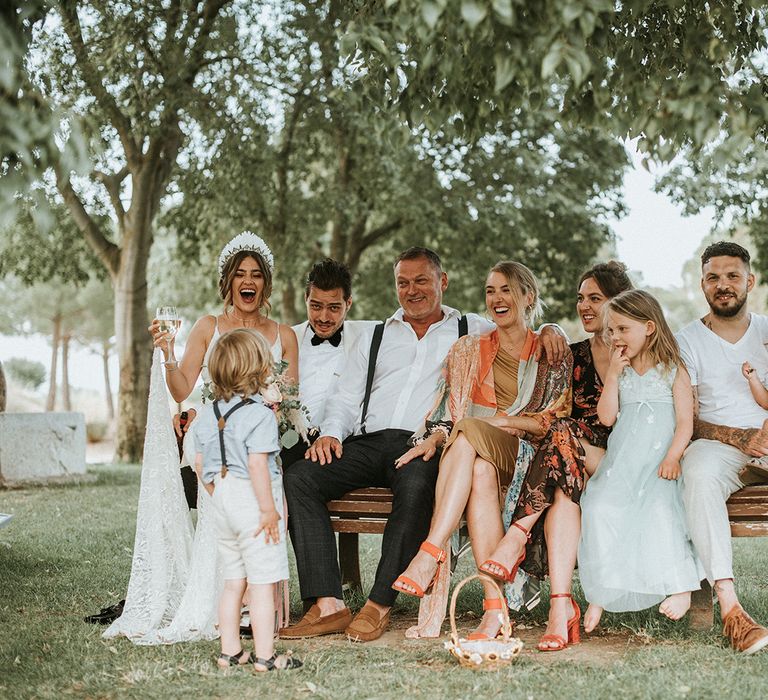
325	341
729	427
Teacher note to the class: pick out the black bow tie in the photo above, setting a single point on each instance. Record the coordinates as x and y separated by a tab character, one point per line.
334	340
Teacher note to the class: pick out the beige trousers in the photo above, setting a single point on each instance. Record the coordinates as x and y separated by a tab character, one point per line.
710	475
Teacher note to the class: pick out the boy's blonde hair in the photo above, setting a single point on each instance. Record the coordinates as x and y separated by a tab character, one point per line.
519	276
637	304
239	364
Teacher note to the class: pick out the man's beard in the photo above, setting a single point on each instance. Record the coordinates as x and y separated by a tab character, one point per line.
728	311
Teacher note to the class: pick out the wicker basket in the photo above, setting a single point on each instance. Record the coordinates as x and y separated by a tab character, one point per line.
485	654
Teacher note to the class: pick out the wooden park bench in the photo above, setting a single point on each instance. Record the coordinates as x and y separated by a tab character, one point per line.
366	511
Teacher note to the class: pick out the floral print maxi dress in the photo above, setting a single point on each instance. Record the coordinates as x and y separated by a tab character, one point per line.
559	462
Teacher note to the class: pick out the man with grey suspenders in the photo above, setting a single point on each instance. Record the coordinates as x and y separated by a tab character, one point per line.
387	387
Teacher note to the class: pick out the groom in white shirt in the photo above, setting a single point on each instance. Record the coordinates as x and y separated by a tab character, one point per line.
325	341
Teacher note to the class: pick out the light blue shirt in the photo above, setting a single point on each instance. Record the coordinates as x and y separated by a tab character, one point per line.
251	429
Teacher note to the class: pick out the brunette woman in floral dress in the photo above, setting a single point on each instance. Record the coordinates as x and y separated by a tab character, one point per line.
572	448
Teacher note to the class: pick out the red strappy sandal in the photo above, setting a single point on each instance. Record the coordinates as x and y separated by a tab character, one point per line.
439	555
506	575
488	604
574	632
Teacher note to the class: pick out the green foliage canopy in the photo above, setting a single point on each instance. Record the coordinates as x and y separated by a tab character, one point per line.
669	71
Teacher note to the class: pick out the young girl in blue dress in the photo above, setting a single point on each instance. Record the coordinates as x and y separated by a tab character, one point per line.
634	550
236	441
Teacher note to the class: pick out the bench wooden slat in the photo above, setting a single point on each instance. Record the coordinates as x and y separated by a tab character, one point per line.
355	508
749	529
368	527
369	494
759	499
748	511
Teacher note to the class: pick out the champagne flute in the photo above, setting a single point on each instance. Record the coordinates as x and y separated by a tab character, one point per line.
169	320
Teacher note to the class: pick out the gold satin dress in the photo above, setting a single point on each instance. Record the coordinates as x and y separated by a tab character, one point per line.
491	443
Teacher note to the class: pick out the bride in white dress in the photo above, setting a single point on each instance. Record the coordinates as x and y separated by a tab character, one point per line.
174	586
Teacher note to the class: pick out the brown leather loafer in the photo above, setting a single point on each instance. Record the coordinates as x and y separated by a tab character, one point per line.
367	625
744	634
313	624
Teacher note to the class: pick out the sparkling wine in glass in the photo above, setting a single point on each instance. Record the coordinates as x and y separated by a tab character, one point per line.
169	320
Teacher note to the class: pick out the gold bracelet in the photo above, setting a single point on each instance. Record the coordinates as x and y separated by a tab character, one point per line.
171	365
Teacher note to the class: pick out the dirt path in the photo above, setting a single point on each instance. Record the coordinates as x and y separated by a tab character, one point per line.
598	649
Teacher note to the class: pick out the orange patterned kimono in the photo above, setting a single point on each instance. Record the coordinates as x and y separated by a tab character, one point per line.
467	390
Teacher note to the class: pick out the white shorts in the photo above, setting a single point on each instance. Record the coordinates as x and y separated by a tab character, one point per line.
237	515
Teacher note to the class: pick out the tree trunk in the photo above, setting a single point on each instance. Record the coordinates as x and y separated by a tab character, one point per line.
67	399
107	383
2	389
134	346
288	304
50	403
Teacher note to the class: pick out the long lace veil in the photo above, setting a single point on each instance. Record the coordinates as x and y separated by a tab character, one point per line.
163	543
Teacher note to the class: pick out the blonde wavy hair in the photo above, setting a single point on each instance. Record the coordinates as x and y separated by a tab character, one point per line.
239	364
520	277
661	346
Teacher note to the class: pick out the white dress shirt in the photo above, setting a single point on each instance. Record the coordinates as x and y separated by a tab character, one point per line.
405	381
320	365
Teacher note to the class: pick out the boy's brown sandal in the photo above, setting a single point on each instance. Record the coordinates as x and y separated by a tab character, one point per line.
313	624
367	625
743	632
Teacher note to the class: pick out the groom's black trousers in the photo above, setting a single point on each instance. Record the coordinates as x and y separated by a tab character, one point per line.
367	460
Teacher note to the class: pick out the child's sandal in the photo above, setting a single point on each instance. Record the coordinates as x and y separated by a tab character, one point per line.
269	664
234	659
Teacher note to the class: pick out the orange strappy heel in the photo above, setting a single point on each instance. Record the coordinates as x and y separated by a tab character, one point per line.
439	555
506	575
574	632
488	604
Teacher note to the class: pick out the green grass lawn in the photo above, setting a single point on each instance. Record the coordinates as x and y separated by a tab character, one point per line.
68	553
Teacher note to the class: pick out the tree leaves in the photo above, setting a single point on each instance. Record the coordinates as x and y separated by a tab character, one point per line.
473	12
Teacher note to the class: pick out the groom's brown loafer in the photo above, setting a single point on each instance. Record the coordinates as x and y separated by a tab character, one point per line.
313	624
744	634
367	625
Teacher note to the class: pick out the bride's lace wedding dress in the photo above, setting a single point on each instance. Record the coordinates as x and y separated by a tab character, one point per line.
175	582
174	586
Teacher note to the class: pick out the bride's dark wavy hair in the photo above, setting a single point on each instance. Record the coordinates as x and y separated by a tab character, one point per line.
228	277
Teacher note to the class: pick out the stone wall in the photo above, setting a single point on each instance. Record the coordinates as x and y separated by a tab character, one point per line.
41	446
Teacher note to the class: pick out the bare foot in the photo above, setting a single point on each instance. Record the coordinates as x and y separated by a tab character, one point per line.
560	611
675	606
507	553
592	617
421	570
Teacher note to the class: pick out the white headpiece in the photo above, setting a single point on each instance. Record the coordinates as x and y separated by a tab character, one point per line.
247	240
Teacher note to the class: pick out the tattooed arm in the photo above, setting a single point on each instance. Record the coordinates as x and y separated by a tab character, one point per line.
751	441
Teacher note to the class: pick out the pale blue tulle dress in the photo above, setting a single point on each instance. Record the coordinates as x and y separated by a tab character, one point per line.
634	549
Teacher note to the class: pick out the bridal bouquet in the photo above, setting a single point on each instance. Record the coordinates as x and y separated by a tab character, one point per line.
281	394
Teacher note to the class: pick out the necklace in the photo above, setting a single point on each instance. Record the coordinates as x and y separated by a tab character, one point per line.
246	322
512	348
